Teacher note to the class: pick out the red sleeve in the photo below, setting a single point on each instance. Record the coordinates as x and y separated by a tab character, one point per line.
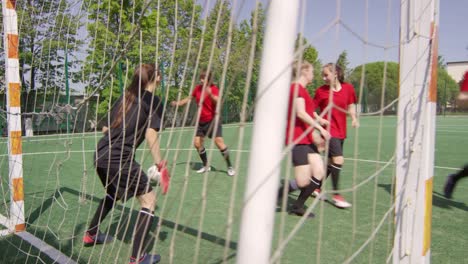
194	92
352	95
301	93
215	90
464	85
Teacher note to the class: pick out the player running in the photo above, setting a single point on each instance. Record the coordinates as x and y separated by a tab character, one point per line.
308	165
206	94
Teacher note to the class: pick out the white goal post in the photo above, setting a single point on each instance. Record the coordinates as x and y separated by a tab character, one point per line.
15	221
416	130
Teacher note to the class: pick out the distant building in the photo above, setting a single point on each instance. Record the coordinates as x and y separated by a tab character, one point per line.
456	69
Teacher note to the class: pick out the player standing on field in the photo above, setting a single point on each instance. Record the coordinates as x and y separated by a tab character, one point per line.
343	96
206	95
136	116
308	165
452	179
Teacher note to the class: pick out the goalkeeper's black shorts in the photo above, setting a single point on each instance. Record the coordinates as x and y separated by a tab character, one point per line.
126	182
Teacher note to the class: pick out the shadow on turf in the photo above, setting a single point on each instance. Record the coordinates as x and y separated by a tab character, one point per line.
118	229
438	199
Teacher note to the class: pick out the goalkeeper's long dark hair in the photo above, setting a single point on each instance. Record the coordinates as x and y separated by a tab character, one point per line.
144	75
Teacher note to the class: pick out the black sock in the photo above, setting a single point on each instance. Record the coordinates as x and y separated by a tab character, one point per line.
307	191
103	209
202	153
461	173
334	170
225	153
143	225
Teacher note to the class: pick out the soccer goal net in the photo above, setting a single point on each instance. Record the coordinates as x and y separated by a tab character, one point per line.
66	63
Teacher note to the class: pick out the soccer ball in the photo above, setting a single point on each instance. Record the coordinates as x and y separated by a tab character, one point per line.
154	174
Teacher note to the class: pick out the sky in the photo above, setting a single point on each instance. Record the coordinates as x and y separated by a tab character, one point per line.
378	21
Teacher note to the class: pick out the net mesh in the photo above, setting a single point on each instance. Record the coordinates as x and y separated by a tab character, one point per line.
77	57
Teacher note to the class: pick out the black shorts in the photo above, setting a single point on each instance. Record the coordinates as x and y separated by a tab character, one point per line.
125	183
206	129
335	147
300	154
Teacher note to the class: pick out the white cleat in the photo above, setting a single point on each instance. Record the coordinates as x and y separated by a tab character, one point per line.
340	202
317	193
204	169
231	171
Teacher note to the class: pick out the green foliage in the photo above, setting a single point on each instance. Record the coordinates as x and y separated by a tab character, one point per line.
134	32
447	88
310	54
343	62
48	30
373	84
242	43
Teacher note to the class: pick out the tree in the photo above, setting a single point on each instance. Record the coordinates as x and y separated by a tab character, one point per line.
48	31
243	42
373	85
128	31
310	54
441	62
215	39
447	88
180	41
343	63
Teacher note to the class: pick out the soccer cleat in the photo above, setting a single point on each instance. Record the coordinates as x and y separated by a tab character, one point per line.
98	238
340	202
231	171
449	186
316	193
146	259
204	169
165	177
300	211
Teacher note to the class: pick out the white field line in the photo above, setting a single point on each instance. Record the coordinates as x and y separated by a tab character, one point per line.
98	134
51	252
4	222
189	149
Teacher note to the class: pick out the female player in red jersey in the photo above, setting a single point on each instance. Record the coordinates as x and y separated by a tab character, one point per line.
206	125
343	96
308	164
452	179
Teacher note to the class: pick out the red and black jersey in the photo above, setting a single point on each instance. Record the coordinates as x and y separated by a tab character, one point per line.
341	100
208	107
299	126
